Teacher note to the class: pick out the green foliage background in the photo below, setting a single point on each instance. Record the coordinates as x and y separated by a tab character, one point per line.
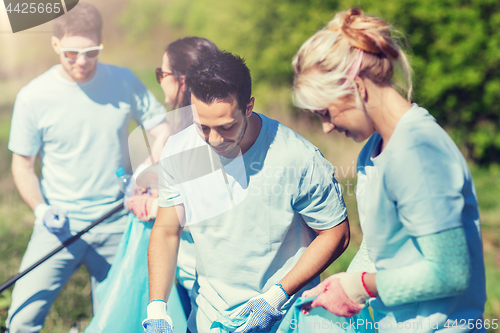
454	47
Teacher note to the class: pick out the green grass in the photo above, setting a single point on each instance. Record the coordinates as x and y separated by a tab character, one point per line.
5	117
487	181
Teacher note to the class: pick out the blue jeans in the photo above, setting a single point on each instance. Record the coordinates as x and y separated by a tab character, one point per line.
34	293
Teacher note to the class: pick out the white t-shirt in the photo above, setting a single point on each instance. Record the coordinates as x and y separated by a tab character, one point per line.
251	217
81	131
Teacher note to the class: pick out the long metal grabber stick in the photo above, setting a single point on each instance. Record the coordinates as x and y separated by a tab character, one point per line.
67	242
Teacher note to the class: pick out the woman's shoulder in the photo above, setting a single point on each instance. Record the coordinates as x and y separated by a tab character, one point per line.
421	144
419	131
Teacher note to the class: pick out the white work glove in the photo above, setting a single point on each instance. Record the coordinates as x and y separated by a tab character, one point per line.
55	219
264	310
158	321
343	294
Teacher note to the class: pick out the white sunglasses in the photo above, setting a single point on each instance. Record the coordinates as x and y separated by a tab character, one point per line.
89	52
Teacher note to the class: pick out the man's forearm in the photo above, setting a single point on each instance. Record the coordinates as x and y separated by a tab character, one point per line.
326	248
162	259
26	180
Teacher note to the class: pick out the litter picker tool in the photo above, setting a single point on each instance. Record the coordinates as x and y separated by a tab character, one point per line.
67	242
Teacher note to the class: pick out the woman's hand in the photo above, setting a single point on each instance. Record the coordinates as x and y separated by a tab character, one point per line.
144	206
343	294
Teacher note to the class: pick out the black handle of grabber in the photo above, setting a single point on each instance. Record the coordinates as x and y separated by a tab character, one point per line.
67	242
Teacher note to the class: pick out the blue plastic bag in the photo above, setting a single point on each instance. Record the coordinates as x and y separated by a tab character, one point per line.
124	295
226	324
321	320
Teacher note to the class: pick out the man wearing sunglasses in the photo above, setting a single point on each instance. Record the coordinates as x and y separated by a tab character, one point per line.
78	64
76	115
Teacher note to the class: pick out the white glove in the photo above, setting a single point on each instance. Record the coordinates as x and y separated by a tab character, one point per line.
55	219
264	310
158	321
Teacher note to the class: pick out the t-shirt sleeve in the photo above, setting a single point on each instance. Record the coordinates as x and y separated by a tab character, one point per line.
426	181
319	198
25	135
146	108
169	194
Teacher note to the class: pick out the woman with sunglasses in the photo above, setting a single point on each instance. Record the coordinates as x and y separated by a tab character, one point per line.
418	207
178	57
123	295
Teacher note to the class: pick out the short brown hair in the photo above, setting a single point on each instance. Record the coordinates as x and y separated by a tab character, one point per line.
83	19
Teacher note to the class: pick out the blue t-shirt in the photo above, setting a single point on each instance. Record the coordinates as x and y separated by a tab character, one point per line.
80	131
251	217
419	185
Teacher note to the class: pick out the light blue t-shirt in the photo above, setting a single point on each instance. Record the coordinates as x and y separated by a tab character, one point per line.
80	131
419	185
251	217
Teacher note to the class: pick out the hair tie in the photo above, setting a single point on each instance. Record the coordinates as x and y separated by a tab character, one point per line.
353	71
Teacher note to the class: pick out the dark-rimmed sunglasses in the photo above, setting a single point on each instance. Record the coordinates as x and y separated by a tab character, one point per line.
161	74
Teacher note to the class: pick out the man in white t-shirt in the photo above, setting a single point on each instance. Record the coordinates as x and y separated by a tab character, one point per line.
265	211
76	116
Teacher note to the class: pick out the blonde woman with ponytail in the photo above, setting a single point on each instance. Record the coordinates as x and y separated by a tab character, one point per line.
416	198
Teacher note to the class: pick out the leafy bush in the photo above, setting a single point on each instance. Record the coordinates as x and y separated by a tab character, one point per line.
455	49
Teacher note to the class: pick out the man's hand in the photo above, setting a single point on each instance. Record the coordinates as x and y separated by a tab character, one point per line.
263	311
343	294
157	321
55	219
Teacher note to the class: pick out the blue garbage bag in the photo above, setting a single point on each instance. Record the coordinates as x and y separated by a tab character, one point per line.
321	320
124	295
226	324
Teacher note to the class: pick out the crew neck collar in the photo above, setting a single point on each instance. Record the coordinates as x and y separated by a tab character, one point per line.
60	78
